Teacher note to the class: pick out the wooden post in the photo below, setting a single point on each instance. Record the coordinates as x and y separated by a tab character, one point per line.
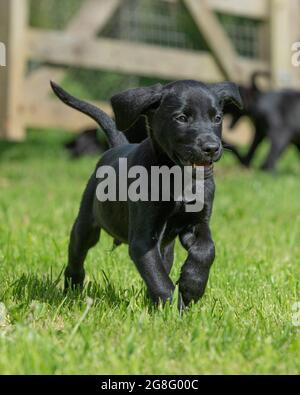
281	42
295	37
90	20
216	37
13	21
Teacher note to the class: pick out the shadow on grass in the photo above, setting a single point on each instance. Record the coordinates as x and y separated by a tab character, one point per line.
45	289
38	144
29	287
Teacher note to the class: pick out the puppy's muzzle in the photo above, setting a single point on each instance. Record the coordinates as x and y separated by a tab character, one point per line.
211	149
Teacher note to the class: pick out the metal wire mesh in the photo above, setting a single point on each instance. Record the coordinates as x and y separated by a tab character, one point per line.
245	34
159	22
52	14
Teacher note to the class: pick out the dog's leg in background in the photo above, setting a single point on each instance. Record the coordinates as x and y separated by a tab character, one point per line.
298	147
232	148
278	145
195	271
258	138
84	235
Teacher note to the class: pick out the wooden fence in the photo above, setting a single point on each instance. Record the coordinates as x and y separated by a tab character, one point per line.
25	100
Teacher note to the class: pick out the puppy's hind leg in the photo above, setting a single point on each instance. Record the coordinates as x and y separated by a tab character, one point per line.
84	235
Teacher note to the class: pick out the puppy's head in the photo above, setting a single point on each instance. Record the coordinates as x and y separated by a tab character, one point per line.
185	117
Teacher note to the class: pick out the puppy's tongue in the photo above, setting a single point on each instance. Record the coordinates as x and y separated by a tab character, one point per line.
206	165
208	168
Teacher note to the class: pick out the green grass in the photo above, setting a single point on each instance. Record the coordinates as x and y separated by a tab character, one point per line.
242	325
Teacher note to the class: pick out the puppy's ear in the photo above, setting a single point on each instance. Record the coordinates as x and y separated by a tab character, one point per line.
228	92
129	105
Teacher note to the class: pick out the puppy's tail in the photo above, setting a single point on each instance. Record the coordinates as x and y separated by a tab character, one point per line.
114	136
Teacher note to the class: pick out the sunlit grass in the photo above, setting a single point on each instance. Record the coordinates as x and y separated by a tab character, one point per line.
242	325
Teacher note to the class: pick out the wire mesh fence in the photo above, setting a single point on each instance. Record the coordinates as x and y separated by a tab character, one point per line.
245	34
156	22
166	23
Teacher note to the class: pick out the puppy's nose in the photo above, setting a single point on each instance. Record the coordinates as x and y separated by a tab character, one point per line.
211	148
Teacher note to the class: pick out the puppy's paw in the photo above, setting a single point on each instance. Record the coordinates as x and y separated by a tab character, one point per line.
73	280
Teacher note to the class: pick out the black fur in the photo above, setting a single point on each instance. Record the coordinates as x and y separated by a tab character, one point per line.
150	228
276	117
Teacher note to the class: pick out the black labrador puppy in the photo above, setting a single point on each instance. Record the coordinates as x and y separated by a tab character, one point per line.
139	130
184	119
89	142
276	117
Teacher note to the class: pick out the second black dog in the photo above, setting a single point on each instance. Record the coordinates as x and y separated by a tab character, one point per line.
86	142
275	116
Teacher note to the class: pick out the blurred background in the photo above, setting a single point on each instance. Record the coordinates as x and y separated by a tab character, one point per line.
98	47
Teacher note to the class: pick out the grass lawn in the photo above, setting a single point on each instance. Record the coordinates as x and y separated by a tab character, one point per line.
242	325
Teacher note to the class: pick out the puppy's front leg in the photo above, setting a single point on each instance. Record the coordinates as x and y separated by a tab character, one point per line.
150	266
195	271
144	249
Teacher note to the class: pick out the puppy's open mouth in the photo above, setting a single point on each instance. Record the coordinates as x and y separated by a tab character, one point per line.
194	165
206	165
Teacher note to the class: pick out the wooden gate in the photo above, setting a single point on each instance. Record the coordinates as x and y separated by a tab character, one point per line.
25	100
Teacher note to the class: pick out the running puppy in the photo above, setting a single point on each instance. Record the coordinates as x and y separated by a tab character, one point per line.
184	119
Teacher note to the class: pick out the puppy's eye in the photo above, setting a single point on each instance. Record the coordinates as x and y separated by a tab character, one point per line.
218	119
182	118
